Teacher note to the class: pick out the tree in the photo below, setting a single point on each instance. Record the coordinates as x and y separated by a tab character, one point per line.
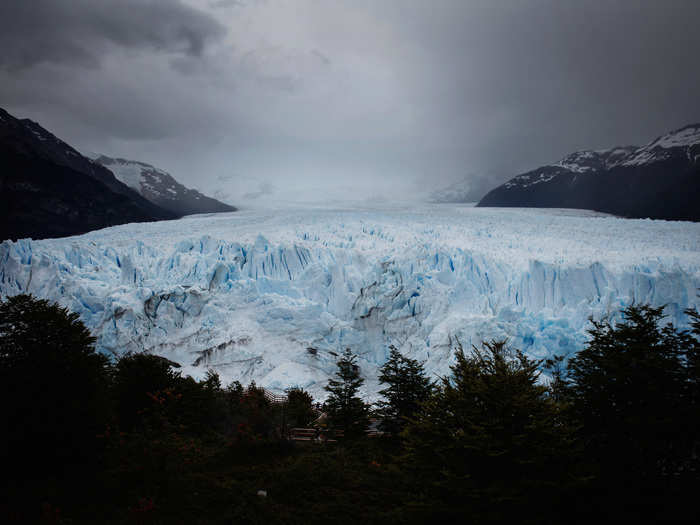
630	389
407	387
53	385
693	361
212	381
256	417
137	379
300	407
692	407
343	408
490	437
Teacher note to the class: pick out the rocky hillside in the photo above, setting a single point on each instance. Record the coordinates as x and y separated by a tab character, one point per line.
660	180
160	187
48	189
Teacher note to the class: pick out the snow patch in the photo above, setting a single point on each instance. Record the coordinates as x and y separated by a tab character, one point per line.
663	147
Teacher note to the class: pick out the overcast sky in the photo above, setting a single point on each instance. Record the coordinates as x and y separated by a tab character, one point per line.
349	98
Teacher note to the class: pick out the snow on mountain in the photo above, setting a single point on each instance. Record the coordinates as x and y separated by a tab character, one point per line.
587	160
660	180
680	142
49	189
275	296
159	187
684	142
579	162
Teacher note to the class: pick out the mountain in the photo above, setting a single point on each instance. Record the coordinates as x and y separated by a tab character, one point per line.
160	187
469	189
660	180
48	189
460	191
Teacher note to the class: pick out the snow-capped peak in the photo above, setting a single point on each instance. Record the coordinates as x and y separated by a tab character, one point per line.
678	142
593	160
686	136
683	142
159	187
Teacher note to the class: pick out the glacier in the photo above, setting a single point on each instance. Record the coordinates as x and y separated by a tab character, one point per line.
275	294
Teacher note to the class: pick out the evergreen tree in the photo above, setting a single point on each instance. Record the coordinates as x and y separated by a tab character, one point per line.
300	407
137	379
490	437
630	389
344	409
260	418
692	407
693	361
212	381
407	387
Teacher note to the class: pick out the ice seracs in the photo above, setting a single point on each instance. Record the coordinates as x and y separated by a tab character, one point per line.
275	296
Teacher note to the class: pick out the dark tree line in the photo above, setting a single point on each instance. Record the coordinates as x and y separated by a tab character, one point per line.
63	403
611	435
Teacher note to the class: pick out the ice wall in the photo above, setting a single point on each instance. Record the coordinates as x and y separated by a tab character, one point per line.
278	304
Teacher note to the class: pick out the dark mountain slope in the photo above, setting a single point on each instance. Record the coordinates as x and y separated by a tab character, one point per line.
660	180
159	187
48	189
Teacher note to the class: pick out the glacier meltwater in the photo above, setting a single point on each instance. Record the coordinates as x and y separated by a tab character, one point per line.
275	295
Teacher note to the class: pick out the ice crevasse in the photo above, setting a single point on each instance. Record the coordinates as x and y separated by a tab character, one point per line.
275	296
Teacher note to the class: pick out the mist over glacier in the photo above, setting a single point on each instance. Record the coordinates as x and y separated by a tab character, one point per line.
273	295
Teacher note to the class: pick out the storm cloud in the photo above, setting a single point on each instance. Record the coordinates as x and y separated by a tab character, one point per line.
78	32
387	99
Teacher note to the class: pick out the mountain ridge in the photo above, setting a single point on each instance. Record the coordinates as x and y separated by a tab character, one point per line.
48	189
161	188
660	180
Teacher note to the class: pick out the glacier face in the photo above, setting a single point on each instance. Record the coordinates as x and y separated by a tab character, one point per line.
274	295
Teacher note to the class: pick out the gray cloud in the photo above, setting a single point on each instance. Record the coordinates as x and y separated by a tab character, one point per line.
80	31
227	3
352	97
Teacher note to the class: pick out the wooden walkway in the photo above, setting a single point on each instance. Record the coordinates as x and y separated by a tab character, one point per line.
318	435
